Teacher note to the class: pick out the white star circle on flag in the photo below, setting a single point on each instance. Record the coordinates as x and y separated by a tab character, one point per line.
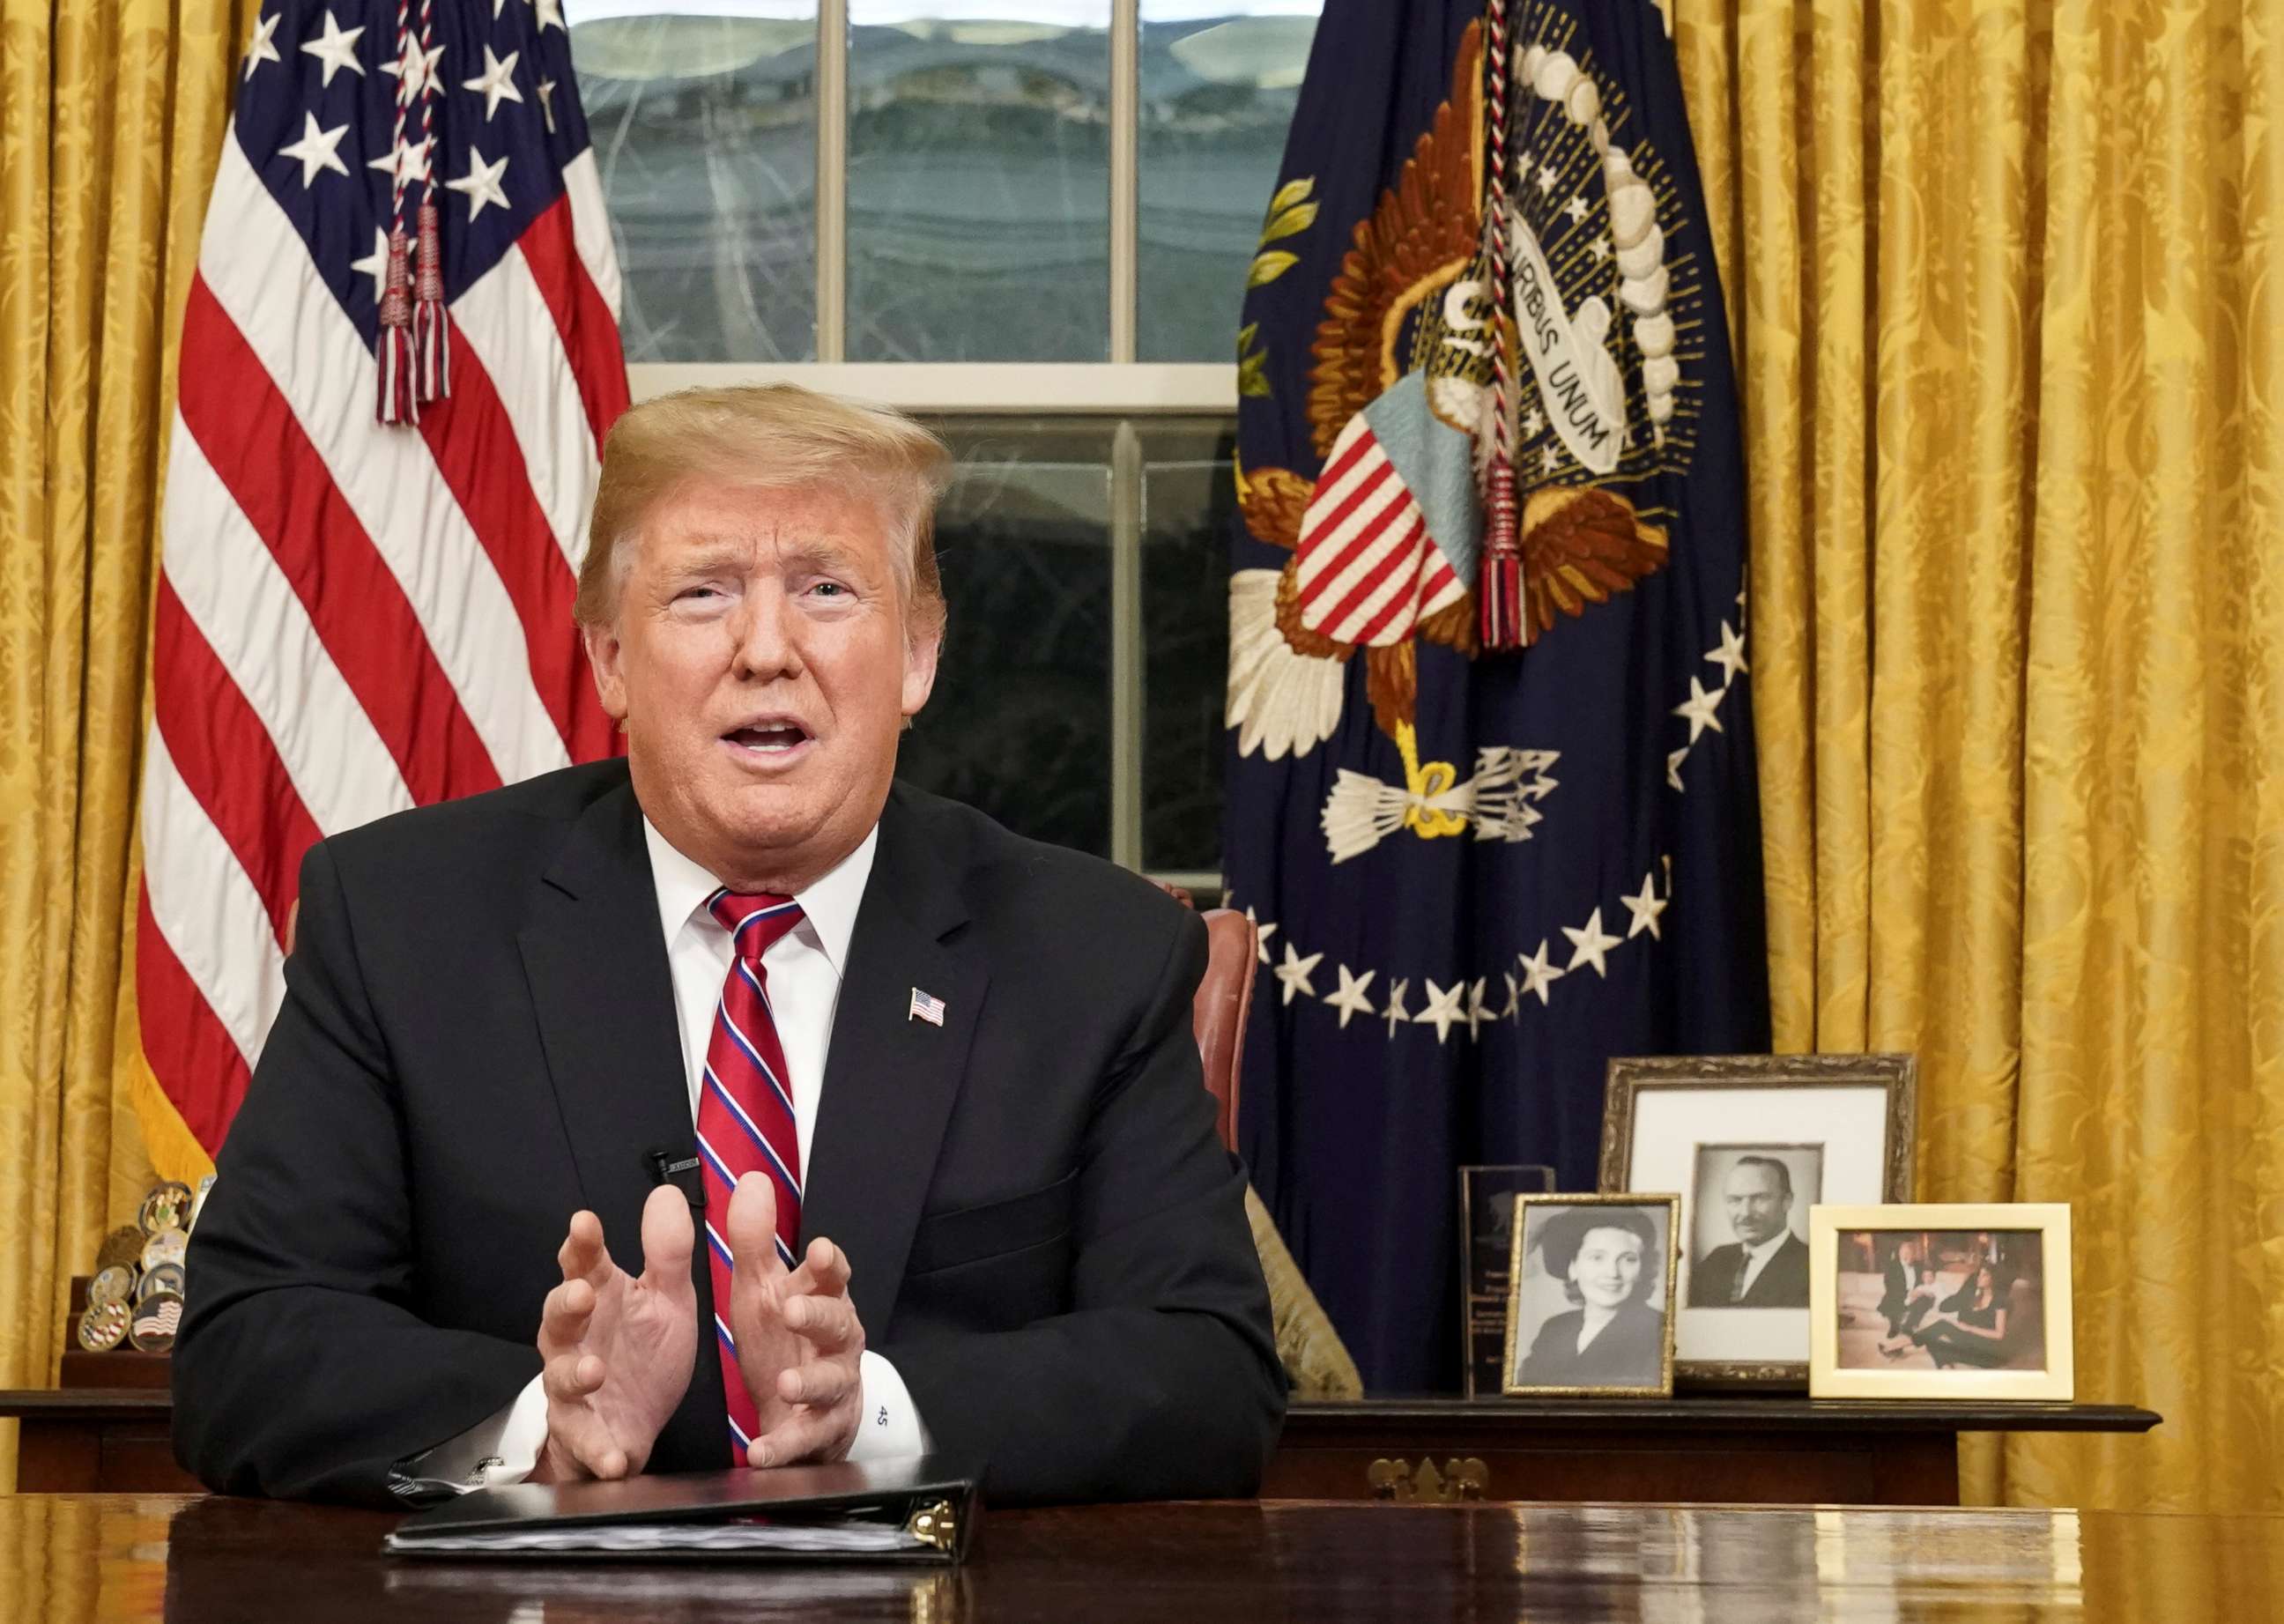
1294	974
1351	999
1590	945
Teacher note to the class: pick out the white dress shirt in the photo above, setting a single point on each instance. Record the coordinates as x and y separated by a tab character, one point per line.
1757	1258
803	969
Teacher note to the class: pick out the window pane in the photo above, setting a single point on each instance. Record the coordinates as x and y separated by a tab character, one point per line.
1219	80
979	180
1188	495
1020	723
705	128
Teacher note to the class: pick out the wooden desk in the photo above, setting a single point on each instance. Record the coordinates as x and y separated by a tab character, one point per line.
1771	1451
1776	1449
68	1558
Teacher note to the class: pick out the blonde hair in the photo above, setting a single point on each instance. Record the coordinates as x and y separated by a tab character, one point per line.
765	437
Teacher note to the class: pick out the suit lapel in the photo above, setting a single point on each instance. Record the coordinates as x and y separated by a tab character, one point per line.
604	997
891	1078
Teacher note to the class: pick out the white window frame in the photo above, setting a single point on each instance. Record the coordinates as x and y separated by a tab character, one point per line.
1122	386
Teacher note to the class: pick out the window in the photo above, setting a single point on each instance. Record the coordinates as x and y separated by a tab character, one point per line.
1029	223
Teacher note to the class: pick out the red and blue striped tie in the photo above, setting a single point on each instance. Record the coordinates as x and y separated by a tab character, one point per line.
745	1116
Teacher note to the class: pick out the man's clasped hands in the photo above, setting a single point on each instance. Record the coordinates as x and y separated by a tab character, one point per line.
618	1349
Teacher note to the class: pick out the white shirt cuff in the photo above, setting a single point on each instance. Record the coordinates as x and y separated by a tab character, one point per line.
501	1448
505	1446
890	1426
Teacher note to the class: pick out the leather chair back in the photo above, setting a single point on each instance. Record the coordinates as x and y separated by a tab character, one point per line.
1224	999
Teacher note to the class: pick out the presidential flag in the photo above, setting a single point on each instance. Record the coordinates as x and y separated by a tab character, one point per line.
399	357
1491	798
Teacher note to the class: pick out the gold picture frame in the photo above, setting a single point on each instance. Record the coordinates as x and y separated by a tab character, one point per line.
2027	1319
1857	1114
1534	1216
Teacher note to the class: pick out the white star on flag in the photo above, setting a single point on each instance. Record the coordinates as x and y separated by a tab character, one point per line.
1350	1000
1292	974
1589	945
1700	707
264	48
376	263
1538	973
494	83
1730	655
421	65
1513	1011
1673	761
1395	1015
1600	248
1645	909
1478	1009
337	50
1443	1009
1260	935
408	163
547	103
1576	209
481	183
1547	179
315	150
551	15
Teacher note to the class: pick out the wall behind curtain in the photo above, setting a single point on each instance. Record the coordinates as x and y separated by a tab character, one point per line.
2003	280
111	118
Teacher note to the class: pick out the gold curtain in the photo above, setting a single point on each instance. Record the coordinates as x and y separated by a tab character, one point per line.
2004	290
111	116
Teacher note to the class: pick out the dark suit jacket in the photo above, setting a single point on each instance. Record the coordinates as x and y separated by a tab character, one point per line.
1898	1282
1781	1284
1629	1352
478	1037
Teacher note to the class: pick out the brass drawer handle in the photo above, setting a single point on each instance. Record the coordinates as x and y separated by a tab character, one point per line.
1459	1480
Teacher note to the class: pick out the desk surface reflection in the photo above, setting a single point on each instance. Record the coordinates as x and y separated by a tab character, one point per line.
65	1558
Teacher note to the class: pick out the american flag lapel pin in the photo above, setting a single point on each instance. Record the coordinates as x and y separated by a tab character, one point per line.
927	1007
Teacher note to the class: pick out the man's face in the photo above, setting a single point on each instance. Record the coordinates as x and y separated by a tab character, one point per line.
761	664
1758	1204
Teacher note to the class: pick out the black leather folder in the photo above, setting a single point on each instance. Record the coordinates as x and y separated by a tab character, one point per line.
921	1509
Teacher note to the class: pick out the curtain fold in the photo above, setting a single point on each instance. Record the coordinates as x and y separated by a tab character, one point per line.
110	118
2001	279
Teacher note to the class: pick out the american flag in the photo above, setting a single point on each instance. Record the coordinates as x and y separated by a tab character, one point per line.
354	618
927	1007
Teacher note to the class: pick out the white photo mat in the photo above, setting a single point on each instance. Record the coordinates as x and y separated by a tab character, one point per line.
1670	1124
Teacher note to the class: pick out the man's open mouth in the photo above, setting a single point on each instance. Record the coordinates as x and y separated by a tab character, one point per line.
772	738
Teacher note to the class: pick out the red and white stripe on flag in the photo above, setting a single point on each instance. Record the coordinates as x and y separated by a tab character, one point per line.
1366	569
354	619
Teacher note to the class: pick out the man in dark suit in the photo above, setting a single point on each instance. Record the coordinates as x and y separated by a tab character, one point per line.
735	1034
1766	1266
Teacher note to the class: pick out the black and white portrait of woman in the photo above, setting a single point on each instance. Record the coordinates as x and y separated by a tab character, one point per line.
1594	1299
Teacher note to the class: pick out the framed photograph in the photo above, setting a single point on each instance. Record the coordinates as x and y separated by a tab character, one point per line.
1950	1301
1753	1142
1487	1196
1590	1308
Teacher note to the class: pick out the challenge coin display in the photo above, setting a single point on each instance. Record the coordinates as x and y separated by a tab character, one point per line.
123	1245
115	1284
167	1246
168	1206
156	1319
165	1277
103	1326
